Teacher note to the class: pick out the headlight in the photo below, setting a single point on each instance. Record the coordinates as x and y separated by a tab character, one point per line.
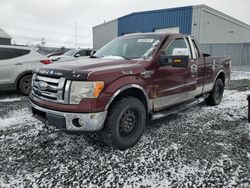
81	89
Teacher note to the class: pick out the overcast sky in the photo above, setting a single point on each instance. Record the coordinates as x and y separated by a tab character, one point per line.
55	20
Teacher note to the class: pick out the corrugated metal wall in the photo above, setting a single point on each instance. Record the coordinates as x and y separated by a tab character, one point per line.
150	20
212	26
104	33
239	53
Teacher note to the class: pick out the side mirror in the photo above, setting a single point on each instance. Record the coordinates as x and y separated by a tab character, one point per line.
175	61
93	52
206	55
77	55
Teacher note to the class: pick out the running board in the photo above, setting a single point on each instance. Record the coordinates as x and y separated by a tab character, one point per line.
175	109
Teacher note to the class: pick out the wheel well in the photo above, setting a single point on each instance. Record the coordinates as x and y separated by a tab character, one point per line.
221	76
133	92
20	77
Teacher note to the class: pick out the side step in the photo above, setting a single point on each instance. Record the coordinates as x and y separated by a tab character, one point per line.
177	108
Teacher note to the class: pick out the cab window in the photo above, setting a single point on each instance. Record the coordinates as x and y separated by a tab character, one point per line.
180	43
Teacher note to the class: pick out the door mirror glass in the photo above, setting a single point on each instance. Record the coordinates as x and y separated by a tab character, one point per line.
175	61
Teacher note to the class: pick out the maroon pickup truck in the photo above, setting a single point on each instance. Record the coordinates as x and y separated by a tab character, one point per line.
130	81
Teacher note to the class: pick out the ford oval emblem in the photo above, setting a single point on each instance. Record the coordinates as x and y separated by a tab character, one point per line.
42	85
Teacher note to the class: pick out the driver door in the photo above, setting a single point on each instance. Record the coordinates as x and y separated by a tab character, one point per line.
173	84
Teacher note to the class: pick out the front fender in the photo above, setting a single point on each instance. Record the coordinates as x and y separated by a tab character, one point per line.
114	88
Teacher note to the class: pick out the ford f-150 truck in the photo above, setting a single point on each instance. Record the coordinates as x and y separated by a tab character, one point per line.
130	81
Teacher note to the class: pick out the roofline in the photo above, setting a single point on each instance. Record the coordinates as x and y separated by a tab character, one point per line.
155	11
216	12
16	46
114	20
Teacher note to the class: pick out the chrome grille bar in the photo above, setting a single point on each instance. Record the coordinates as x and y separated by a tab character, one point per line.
51	89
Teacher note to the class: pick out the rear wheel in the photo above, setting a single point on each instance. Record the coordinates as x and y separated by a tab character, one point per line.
215	96
24	84
125	123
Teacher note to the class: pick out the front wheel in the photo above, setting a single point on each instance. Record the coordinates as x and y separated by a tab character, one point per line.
125	123
24	84
215	96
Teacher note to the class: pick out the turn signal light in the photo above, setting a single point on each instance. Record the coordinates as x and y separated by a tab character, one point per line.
98	88
177	61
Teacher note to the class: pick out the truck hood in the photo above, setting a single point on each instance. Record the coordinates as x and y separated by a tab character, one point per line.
81	68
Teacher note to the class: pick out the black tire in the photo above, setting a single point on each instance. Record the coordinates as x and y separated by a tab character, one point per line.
215	96
125	123
24	84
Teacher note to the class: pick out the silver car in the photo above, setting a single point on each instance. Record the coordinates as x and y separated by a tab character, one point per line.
72	55
16	66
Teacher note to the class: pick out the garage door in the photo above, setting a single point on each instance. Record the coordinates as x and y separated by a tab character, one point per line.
168	30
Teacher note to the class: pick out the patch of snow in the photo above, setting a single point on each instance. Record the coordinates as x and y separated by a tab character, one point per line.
240	75
11	99
14	118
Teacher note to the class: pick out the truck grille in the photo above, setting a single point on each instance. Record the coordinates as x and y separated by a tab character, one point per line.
47	88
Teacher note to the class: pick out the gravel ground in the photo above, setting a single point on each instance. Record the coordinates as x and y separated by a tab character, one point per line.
200	147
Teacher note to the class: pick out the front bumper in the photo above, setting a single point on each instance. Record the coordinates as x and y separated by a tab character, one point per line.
70	121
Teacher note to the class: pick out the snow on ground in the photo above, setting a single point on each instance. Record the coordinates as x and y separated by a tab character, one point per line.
200	147
239	75
11	99
15	117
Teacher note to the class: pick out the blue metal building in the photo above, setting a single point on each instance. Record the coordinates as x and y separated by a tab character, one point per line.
149	21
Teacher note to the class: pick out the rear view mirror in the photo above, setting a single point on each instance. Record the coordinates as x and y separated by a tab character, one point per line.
175	61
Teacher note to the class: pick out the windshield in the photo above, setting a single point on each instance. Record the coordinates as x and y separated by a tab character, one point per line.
70	53
130	47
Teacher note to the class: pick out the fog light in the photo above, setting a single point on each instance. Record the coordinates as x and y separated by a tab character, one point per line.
81	122
77	122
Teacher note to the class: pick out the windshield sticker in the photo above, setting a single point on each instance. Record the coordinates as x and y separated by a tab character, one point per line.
146	40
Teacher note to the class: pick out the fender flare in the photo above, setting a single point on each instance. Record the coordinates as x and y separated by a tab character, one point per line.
129	86
221	71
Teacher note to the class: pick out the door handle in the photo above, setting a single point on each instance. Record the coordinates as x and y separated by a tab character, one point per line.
18	64
194	68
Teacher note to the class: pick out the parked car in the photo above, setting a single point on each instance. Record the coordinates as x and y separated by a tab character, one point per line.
128	82
16	66
71	55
